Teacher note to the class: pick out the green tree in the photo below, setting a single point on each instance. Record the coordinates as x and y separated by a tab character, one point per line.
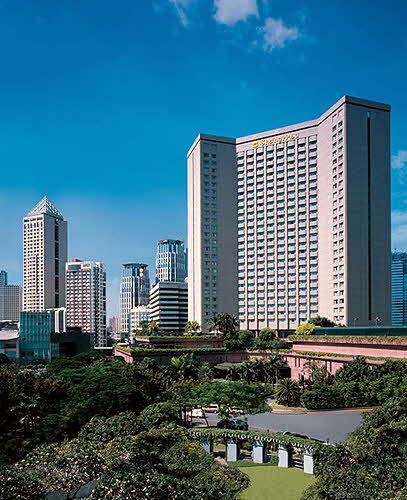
354	371
158	414
372	461
192	327
250	398
144	326
321	321
287	392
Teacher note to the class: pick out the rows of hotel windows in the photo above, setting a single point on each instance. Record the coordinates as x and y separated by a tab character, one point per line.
278	231
338	276
210	242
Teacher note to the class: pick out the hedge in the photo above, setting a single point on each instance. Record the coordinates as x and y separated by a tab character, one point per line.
367	338
257	435
178	337
175	350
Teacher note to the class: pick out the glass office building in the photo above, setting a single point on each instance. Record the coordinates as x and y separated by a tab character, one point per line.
36	329
399	289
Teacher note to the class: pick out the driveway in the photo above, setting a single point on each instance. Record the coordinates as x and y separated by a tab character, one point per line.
333	426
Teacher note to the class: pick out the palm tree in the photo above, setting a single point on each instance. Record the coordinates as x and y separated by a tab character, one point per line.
275	362
185	366
234	373
224	323
287	392
153	327
192	327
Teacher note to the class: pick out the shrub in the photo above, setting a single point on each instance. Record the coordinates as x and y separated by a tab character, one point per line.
305	329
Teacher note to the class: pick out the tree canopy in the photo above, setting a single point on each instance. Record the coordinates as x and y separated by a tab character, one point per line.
370	463
250	398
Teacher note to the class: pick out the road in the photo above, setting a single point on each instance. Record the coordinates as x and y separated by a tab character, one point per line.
334	425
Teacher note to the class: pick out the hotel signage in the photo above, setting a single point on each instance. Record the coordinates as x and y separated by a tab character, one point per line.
273	140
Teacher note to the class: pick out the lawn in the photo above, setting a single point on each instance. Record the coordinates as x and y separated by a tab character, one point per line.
274	483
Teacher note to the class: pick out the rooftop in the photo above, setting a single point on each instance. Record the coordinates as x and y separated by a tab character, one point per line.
45	206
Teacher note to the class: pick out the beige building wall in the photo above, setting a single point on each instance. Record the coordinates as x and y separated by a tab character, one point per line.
212	241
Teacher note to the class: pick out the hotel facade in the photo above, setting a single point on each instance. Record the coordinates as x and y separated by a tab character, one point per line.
293	222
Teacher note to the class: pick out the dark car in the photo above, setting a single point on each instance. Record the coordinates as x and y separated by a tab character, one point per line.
295	434
233	423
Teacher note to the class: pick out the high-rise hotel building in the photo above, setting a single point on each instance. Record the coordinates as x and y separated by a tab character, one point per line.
86	299
293	222
45	254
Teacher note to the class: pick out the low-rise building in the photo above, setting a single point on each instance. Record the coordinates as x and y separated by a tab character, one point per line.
137	316
169	305
43	336
9	339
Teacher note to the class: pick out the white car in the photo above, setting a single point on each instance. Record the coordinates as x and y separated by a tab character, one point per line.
196	413
211	409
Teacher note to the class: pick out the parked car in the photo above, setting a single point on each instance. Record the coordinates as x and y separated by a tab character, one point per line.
294	434
236	411
211	408
233	423
196	413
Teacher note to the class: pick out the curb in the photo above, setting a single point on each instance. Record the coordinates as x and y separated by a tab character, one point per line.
328	410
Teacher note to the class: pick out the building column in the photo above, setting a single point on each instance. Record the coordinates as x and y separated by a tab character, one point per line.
308	461
232	450
207	444
259	454
283	456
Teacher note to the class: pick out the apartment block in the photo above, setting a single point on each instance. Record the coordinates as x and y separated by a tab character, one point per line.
10	302
86	298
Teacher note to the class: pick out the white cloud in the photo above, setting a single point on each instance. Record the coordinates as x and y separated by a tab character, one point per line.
398	217
399	160
276	34
231	11
180	7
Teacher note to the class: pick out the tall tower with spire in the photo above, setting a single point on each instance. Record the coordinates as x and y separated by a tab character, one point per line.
45	256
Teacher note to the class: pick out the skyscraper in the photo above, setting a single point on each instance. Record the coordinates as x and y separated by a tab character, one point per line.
45	254
307	214
10	302
3	278
171	261
134	291
399	289
86	298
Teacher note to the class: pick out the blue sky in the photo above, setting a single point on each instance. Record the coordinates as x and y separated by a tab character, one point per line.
100	100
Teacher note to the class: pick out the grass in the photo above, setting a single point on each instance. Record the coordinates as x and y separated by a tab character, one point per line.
276	406
274	483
